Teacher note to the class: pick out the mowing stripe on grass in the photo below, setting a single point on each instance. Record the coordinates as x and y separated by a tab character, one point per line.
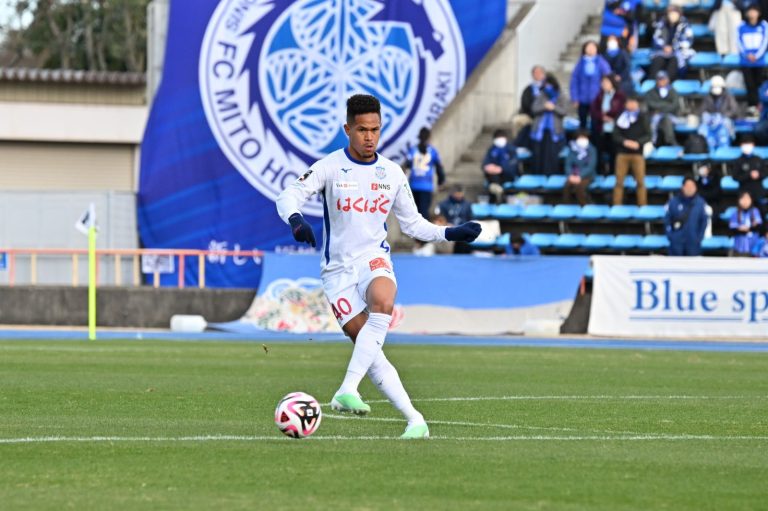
567	398
448	423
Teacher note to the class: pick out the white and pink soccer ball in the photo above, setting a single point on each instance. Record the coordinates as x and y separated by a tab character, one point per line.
298	415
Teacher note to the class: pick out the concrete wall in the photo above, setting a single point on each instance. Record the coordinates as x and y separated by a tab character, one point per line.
120	307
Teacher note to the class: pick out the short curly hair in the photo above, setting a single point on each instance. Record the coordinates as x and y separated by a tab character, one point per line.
360	104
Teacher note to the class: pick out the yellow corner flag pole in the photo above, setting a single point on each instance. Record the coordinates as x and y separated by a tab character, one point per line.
92	282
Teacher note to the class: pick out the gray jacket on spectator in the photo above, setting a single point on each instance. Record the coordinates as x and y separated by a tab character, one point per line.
561	110
658	105
725	105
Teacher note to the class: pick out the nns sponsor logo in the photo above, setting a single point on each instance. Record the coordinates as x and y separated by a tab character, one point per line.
274	77
380	186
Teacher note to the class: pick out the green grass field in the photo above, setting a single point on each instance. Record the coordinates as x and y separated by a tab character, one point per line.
189	426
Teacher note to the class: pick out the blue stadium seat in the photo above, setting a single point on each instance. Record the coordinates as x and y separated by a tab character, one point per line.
543	239
652	182
645	87
569	241
695	157
536	211
653	5
726	215
762	152
598	241
503	240
705	59
701	31
666	153
608	183
683	128
716	243
626	241
641	57
687	87
530	182
745	125
707	4
734	60
483	245
523	153
594	212
654	242
630	183
507	185
596	182
571	124
622	213
565	212
481	211
725	154
507	211
671	183
555	182
765	183
650	213
728	184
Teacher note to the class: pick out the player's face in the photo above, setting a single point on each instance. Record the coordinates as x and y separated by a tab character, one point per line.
364	136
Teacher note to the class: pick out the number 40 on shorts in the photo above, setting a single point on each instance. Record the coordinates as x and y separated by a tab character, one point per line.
341	308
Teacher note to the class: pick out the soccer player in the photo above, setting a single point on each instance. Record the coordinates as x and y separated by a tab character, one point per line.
359	188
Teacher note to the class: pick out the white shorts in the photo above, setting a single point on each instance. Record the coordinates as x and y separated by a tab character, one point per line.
346	290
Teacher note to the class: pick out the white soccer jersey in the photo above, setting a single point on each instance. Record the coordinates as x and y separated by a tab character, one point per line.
357	198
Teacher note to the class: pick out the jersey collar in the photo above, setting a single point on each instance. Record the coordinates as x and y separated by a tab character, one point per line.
358	162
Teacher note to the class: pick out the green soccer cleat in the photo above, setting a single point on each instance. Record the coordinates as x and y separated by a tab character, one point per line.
416	431
349	403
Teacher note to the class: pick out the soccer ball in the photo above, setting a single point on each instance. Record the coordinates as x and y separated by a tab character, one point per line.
298	415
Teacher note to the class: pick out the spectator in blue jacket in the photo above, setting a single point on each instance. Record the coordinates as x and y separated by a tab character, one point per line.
424	162
672	44
619	20
746	224
580	169
753	43
761	247
686	221
500	164
621	64
519	245
585	79
761	129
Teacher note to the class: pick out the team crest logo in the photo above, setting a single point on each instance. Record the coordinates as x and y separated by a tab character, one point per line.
274	78
381	172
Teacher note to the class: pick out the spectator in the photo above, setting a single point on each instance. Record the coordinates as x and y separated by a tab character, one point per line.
631	134
585	79
500	164
672	44
761	247
746	224
525	117
708	179
605	109
686	221
618	21
761	129
753	42
718	110
750	171
456	210
424	162
520	245
724	22
663	104
580	167
620	61
547	134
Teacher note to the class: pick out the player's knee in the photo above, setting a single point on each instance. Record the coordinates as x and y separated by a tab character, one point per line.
383	306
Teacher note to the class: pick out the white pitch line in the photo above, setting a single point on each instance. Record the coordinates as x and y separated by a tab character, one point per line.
571	398
449	423
275	438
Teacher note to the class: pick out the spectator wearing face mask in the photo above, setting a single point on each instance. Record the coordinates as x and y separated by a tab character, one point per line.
620	61
708	179
631	134
580	166
547	133
500	164
619	21
606	108
686	221
746	225
718	110
750	171
672	44
753	43
585	79
724	23
522	121
663	104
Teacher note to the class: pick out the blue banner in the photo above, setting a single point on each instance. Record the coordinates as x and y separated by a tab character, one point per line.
253	93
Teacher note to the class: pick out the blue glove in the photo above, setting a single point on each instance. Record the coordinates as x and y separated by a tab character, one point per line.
467	232
302	231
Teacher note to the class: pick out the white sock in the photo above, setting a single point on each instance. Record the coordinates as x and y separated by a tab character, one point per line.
384	375
368	345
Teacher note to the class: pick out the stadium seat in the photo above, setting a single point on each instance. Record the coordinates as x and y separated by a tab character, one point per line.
650	213
745	125
536	212
666	153
570	124
480	211
641	57
671	183
607	183
687	87
507	185
555	182
626	241
705	59
507	211
728	184
569	241
594	212
701	31
695	157
652	182
523	153
683	128
725	154
726	215
762	152
655	5
630	183
716	243
530	182
598	241
646	86
654	242
565	212
622	213
543	239
503	240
